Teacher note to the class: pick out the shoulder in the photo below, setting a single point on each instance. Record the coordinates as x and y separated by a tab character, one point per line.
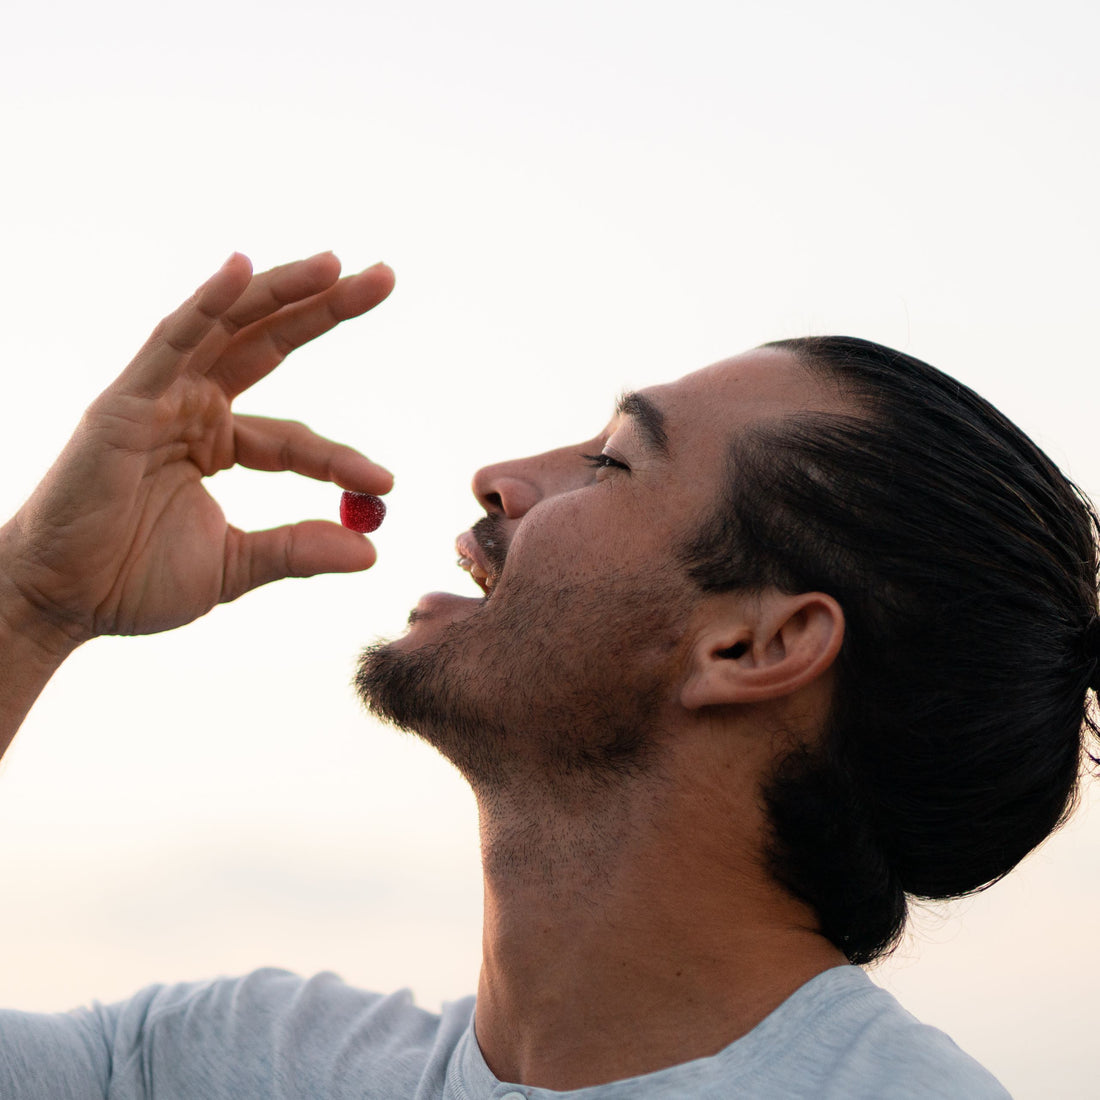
276	1034
843	1036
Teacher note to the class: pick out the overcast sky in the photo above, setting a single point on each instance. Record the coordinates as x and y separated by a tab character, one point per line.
576	197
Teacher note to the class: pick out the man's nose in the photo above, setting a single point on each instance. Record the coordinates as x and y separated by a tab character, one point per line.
514	488
501	489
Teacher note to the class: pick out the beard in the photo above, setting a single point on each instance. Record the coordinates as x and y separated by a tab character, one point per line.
560	686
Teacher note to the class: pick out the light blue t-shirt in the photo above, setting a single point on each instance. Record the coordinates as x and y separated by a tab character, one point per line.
275	1036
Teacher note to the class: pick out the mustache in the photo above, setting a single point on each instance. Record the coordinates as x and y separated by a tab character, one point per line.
489	534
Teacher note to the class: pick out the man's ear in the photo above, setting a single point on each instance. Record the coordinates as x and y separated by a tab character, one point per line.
765	646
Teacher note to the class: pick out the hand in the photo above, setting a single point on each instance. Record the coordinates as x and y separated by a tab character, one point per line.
121	537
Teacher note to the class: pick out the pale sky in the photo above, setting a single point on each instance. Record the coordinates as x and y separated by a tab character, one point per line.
576	197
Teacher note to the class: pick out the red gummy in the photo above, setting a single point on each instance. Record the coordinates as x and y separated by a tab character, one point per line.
361	512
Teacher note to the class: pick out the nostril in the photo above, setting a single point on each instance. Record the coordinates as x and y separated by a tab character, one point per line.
503	491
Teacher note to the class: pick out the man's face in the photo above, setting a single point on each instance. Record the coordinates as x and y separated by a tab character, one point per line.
571	662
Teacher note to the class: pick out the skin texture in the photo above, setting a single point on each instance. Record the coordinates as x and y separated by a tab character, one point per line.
615	725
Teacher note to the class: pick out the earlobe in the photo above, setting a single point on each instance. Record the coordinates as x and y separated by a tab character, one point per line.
771	647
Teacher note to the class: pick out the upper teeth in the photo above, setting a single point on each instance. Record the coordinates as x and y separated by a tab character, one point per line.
477	573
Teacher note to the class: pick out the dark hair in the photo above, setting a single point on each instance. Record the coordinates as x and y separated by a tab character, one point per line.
966	567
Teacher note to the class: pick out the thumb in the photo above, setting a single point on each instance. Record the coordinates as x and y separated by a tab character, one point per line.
305	549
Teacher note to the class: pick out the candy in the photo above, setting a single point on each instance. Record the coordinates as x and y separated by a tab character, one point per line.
361	511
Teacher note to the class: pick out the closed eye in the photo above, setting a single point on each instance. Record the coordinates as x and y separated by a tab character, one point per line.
604	461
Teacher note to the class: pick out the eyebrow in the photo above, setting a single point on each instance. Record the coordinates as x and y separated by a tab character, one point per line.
649	419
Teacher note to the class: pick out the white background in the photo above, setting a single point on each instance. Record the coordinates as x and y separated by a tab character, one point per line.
577	197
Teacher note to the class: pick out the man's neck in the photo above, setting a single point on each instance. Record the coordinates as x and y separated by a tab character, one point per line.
624	934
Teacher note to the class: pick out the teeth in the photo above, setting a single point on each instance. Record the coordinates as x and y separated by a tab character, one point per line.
483	579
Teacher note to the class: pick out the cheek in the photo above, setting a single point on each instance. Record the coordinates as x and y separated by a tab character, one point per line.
543	549
589	605
586	536
559	637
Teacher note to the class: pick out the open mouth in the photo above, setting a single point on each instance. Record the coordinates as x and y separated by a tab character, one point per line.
481	578
472	558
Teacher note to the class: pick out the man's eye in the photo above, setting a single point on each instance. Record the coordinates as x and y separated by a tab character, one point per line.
605	462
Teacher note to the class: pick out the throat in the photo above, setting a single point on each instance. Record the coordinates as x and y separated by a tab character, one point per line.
563	842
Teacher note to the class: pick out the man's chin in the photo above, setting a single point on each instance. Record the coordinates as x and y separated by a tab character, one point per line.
388	679
397	678
419	686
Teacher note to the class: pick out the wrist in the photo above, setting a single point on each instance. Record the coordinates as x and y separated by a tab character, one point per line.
29	628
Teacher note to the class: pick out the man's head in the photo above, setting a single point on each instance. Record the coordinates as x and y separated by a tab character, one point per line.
823	521
593	634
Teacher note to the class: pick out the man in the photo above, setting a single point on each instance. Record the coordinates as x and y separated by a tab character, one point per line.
789	639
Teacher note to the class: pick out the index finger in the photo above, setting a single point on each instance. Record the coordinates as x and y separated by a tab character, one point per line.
267	293
262	443
172	343
260	348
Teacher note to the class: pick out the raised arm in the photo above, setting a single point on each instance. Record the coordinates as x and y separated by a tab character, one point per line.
121	536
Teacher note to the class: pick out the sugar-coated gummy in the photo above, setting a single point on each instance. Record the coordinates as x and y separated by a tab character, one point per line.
362	512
